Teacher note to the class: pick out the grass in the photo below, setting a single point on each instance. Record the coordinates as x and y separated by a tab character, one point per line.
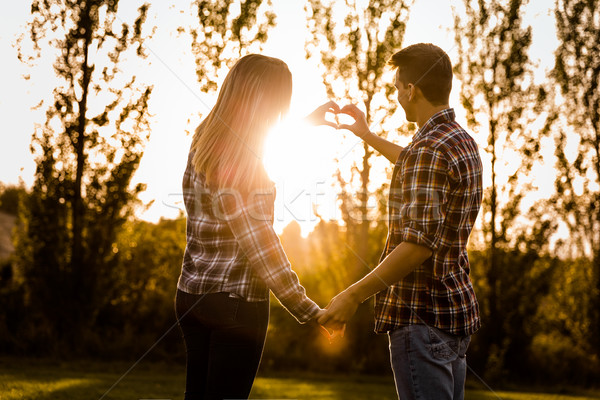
32	379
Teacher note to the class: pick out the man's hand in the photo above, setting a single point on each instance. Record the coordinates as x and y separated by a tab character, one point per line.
360	127
317	117
338	312
328	332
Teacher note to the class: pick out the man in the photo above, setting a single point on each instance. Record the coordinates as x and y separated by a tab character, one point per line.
424	298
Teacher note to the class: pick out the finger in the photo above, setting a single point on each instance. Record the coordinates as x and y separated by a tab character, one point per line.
350	109
324	319
322	121
332	105
325	332
336	327
331	124
338	331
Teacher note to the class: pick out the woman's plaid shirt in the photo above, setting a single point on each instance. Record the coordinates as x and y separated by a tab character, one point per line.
232	247
435	196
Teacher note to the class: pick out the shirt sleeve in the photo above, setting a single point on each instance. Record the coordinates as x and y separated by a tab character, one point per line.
424	194
250	219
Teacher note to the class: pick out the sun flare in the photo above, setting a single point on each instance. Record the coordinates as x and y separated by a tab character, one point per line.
301	161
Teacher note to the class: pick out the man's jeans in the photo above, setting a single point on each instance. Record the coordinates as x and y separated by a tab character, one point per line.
428	363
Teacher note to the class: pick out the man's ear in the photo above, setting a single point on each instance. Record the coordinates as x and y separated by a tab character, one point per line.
411	92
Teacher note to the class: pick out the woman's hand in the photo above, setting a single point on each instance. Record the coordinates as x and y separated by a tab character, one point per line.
317	117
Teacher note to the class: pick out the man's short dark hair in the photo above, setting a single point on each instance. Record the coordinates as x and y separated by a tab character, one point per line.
428	67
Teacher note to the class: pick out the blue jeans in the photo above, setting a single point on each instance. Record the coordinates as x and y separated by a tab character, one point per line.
428	363
224	338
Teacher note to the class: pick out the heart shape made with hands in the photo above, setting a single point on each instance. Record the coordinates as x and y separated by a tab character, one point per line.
335	123
342	117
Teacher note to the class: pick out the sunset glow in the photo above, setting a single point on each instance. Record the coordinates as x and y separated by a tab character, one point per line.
300	159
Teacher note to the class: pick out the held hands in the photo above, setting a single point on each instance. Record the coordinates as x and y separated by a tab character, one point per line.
337	313
329	332
360	127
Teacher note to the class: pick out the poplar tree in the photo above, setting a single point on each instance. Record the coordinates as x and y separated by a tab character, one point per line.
86	153
498	95
577	74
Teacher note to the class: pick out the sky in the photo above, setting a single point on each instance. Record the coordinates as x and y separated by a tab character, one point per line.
300	159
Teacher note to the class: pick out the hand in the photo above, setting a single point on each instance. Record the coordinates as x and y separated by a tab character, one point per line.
317	117
339	311
360	127
329	334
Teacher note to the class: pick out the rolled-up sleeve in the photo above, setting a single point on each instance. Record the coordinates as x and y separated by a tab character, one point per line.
250	219
424	195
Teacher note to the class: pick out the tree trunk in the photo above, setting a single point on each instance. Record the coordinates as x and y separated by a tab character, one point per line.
78	211
495	323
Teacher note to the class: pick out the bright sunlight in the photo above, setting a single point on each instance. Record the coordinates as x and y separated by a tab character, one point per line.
301	160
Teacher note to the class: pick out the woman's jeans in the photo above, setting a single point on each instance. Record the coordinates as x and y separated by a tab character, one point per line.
224	337
428	363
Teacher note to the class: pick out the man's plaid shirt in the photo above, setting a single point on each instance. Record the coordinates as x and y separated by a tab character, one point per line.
435	196
232	247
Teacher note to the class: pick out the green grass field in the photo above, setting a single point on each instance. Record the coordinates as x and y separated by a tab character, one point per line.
41	380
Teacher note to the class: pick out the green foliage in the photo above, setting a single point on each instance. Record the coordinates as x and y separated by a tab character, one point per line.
10	196
139	305
325	263
564	342
149	258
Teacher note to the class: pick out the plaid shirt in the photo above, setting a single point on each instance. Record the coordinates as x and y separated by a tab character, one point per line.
435	196
232	247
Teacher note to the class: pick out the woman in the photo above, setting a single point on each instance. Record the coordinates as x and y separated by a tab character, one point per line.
233	256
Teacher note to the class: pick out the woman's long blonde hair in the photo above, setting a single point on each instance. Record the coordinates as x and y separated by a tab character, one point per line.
228	143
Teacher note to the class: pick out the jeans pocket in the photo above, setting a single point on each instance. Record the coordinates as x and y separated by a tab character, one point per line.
443	346
464	345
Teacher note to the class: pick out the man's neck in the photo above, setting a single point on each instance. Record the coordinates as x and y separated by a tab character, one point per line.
426	111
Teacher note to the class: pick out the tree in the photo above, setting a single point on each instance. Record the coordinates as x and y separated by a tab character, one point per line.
496	75
86	153
354	54
10	196
577	74
143	288
223	35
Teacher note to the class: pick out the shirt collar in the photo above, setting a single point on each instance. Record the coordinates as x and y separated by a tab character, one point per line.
440	117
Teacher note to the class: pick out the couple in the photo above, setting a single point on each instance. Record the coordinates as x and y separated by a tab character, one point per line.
424	299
